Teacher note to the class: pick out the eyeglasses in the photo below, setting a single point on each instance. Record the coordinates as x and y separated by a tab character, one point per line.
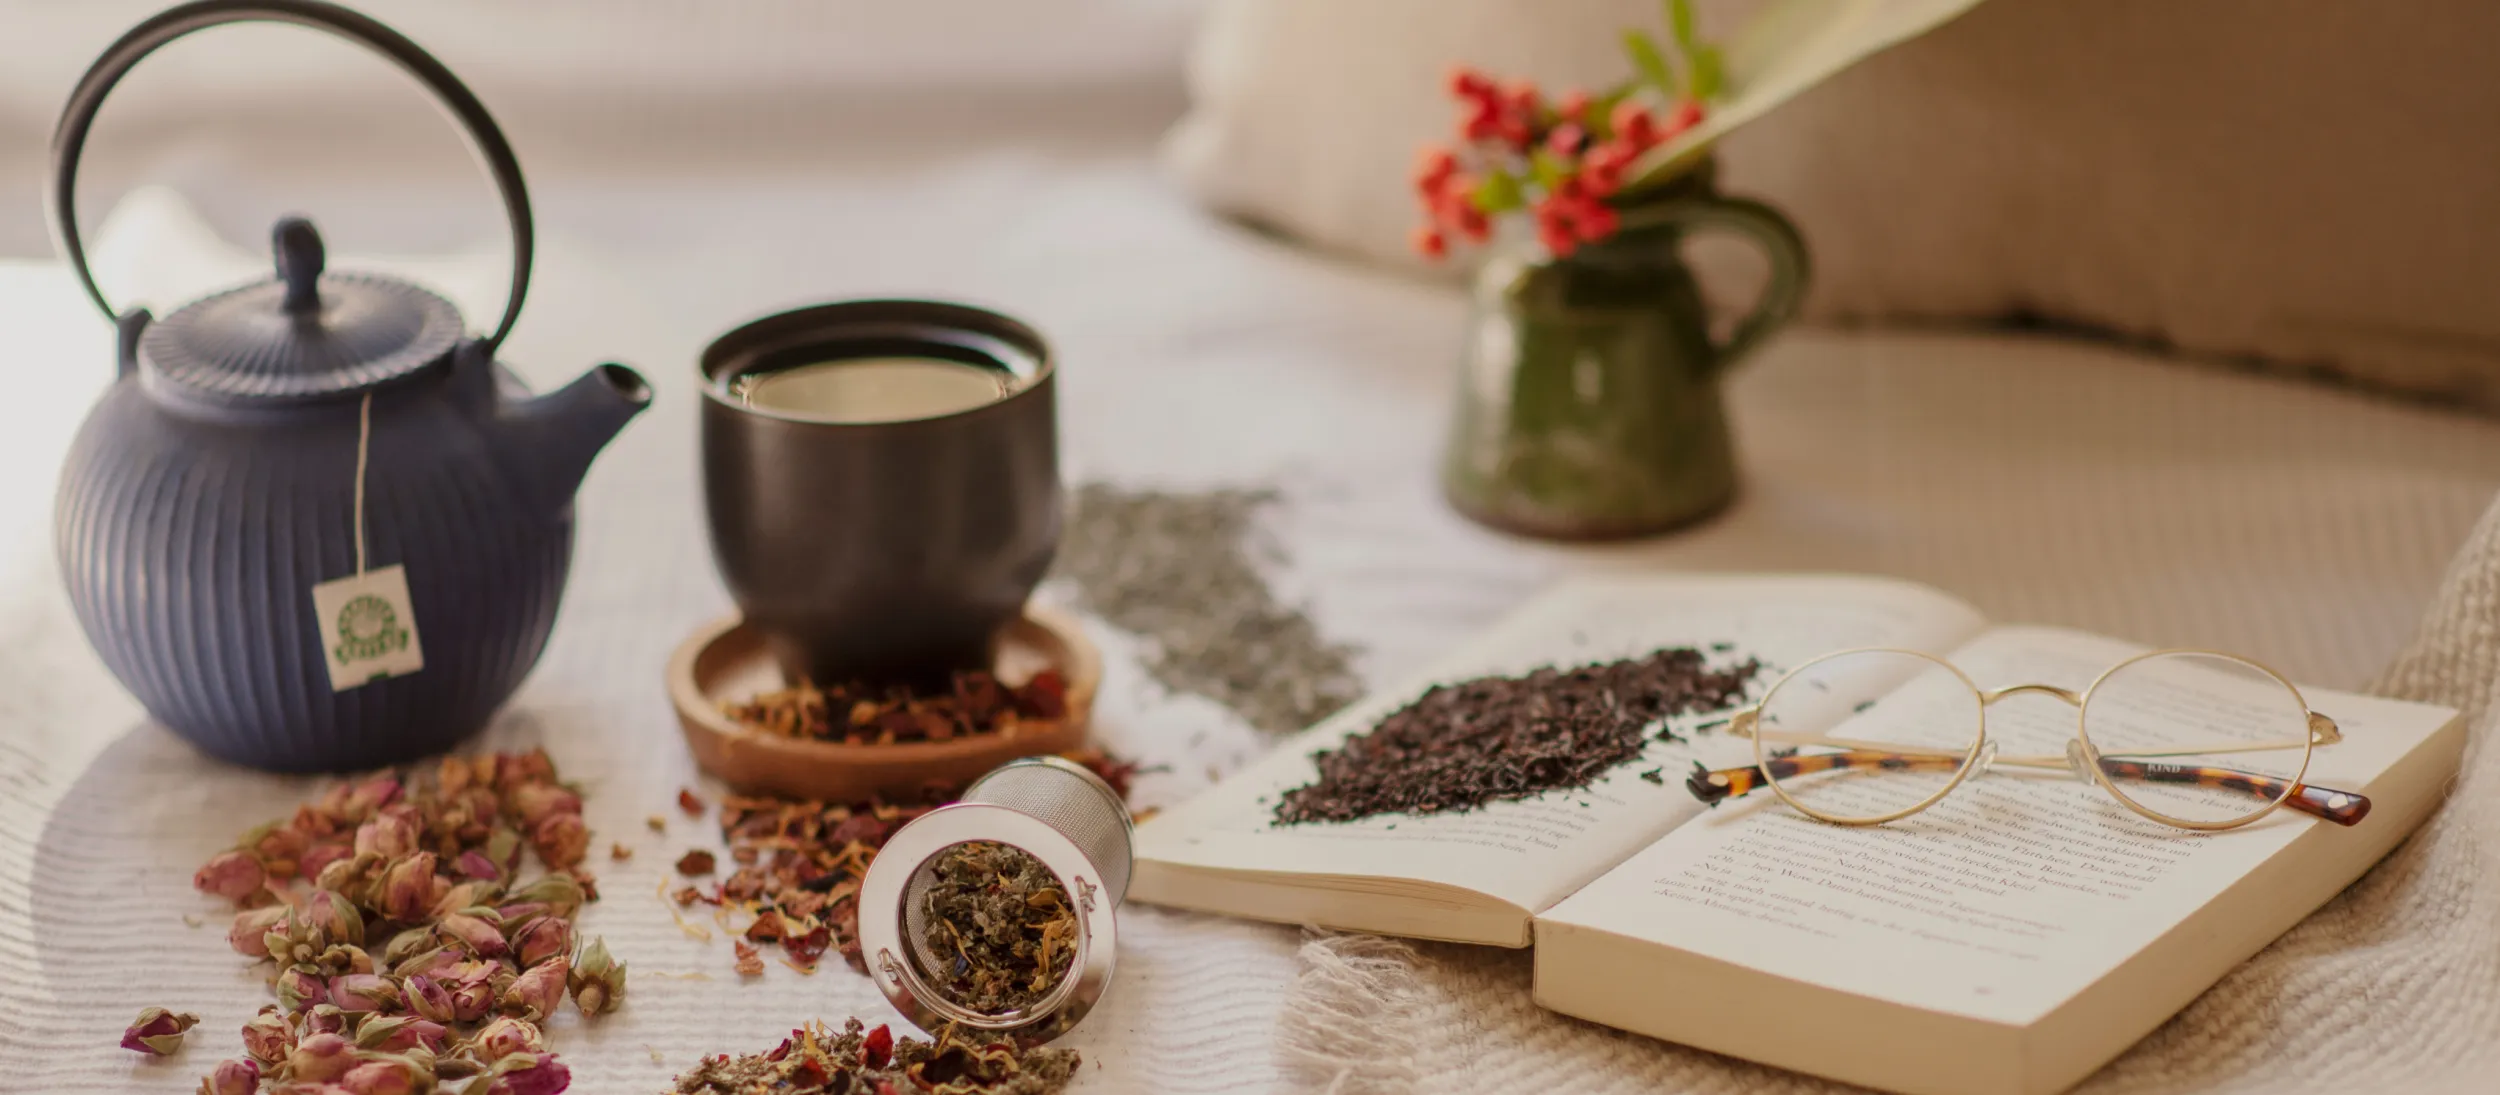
2189	738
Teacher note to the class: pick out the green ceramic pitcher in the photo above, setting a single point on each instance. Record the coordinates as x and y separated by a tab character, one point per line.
1589	405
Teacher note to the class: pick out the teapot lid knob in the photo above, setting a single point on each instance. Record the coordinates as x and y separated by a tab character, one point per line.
299	256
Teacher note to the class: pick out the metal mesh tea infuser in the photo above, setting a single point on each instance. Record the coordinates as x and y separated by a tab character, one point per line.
1064	817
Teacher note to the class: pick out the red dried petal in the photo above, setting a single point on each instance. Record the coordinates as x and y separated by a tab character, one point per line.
877	1050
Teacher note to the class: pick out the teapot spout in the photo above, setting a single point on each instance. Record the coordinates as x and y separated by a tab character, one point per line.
556	436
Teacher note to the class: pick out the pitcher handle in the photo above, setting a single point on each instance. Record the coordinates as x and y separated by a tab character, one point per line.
1790	269
69	138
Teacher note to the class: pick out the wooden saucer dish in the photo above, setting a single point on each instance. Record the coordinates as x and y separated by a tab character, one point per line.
726	661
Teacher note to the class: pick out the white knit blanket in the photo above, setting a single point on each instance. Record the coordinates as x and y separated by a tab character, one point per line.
2044	480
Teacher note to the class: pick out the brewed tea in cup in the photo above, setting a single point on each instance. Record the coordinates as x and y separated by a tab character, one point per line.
882	483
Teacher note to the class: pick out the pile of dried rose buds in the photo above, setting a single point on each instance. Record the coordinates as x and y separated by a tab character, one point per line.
406	955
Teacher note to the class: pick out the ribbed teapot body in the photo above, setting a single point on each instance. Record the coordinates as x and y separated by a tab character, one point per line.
191	540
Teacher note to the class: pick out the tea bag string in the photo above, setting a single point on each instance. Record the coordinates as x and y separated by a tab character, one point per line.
364	440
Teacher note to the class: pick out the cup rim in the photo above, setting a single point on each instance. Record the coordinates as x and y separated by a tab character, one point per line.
796	327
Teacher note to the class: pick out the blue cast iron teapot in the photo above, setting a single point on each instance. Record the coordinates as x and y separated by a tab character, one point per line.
314	526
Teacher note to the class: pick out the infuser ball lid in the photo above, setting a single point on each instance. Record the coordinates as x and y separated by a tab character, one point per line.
1064	817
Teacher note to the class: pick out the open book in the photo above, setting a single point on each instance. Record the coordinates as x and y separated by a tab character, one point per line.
2012	937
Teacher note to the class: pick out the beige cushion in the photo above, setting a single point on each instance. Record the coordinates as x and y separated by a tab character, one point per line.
2311	186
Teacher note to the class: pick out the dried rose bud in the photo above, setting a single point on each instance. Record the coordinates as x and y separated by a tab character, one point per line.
437	963
505	1037
369	796
542	939
474	995
158	1031
267	1037
336	916
562	895
319	857
352	874
530	1074
408	887
234	1077
401	1033
231	875
518	915
296	940
320	1058
340	958
248	937
300	989
407	944
504	847
561	839
535	994
428	998
280	849
598	979
323	1019
537	802
363	992
476	891
476	929
390	834
475	864
375	1078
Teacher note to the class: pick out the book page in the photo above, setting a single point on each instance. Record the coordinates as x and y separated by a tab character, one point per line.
1532	852
2012	894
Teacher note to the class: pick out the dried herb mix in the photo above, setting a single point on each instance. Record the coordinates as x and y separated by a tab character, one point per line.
1460	746
801	863
858	713
1178	570
999	924
816	1061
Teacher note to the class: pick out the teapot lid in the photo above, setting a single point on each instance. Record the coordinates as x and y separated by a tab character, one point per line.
302	335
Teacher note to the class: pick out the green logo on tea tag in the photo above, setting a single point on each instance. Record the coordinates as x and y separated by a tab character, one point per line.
368	628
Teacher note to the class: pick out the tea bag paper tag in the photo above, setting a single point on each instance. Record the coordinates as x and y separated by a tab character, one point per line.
368	629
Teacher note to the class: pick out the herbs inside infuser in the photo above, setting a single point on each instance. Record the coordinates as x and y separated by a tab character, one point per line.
998	925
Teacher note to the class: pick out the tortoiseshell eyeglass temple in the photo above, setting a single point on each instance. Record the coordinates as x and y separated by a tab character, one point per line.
1712	785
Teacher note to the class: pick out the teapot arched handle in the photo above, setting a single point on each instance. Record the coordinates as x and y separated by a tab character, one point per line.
69	138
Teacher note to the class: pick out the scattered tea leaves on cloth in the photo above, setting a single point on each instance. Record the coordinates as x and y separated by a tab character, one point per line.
1180	570
1000	925
801	861
1460	746
817	1061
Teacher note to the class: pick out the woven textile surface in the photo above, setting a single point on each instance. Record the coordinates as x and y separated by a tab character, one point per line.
2044	480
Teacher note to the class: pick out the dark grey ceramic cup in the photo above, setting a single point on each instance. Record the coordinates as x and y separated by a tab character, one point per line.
882	550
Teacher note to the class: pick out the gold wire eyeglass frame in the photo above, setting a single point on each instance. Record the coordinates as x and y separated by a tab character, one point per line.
2081	756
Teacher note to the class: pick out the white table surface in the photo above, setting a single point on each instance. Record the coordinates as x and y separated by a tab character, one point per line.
2044	480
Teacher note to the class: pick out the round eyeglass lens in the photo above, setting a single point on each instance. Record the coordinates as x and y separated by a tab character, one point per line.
2203	739
1865	735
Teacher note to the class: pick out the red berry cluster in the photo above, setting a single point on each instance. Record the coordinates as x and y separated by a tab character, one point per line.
1559	160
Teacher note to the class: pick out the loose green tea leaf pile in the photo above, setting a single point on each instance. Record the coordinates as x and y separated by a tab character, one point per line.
801	861
816	1061
1179	569
1460	746
1000	924
405	954
861	714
